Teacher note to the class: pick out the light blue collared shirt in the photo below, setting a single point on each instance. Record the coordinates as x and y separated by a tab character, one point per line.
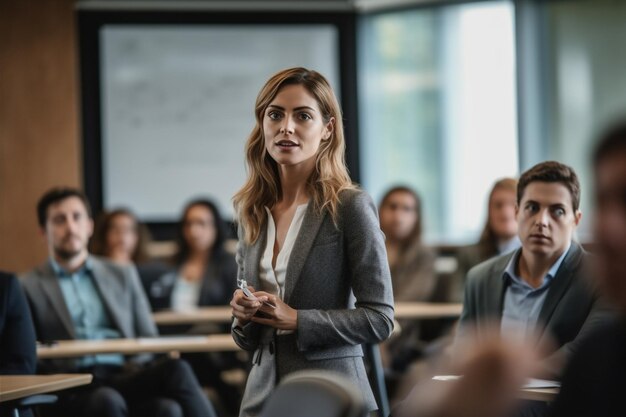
522	302
87	311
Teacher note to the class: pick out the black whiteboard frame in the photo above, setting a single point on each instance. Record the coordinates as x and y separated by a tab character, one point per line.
91	21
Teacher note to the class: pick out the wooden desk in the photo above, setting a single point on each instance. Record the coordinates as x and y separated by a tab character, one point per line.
421	311
222	314
77	348
13	387
218	314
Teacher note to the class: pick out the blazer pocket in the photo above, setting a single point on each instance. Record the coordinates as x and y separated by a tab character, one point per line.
334	353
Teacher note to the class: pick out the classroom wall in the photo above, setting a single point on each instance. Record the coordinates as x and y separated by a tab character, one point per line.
39	140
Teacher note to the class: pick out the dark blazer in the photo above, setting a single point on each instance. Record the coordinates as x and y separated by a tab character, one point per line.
329	264
120	291
218	284
17	334
571	311
593	383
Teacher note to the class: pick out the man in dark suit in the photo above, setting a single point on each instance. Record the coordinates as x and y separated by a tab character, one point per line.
542	289
78	296
17	336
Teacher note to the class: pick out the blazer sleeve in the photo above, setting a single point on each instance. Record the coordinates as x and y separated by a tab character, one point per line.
144	324
371	321
17	335
246	336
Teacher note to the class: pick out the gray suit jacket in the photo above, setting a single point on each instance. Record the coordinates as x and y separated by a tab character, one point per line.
119	288
328	264
572	308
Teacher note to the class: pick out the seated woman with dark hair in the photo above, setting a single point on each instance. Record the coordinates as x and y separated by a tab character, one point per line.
204	273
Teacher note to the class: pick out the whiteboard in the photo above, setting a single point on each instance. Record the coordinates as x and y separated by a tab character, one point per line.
178	106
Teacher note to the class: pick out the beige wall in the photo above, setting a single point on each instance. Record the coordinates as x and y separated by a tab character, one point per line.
39	142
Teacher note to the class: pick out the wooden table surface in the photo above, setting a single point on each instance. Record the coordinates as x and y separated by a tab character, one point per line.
222	314
13	387
76	348
421	311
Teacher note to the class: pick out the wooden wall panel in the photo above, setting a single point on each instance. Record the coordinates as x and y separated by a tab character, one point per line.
39	141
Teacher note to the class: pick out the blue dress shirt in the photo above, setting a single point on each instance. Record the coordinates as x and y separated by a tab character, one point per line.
89	316
522	302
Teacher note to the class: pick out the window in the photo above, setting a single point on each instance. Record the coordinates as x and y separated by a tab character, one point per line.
586	88
437	97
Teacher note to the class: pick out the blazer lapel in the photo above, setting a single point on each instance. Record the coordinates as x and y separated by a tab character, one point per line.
52	289
301	248
559	286
497	287
102	280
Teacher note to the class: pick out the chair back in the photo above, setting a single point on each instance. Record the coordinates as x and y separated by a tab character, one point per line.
315	393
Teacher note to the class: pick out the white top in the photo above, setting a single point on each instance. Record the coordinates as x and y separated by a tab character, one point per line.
272	280
186	294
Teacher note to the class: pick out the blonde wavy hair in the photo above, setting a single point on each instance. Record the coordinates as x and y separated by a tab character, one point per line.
262	187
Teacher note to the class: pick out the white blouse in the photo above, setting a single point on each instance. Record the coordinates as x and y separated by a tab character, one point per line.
272	280
186	294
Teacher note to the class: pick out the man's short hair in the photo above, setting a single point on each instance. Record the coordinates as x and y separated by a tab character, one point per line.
551	171
54	196
612	141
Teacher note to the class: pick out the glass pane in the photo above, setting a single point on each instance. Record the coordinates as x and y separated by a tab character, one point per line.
587	86
438	109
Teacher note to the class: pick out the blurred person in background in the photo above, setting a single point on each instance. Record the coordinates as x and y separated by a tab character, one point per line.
203	273
75	295
412	266
499	236
120	237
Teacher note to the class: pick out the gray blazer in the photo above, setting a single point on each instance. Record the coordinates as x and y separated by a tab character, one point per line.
121	293
572	308
329	263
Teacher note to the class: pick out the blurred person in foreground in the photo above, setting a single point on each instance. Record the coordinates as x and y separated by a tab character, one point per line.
17	336
202	273
412	266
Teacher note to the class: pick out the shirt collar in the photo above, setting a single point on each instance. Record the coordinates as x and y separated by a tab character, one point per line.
60	272
510	273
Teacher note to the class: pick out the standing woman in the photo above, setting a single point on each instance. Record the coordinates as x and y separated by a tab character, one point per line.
309	240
